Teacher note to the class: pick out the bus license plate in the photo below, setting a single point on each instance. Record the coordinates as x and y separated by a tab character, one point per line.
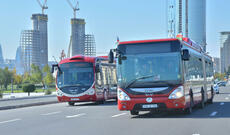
150	106
74	99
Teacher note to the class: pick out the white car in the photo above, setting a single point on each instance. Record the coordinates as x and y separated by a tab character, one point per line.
216	88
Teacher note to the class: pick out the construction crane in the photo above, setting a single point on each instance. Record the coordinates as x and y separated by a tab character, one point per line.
43	6
75	8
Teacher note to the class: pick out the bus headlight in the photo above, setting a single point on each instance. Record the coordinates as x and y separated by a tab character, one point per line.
59	93
177	93
91	91
122	96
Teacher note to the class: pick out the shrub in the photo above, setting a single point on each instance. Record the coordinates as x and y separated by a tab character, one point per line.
28	88
48	92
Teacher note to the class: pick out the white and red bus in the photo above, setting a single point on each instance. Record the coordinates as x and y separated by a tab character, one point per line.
164	74
81	78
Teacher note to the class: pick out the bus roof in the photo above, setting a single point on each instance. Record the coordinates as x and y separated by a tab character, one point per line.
82	58
186	41
147	41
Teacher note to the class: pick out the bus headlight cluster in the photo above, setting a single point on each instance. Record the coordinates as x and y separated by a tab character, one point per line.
59	93
91	92
122	96
177	93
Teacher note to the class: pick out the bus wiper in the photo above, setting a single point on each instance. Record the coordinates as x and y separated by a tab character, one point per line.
139	78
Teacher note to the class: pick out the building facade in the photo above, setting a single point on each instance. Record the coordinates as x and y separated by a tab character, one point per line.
77	39
30	48
40	24
189	18
18	61
216	65
90	45
224	51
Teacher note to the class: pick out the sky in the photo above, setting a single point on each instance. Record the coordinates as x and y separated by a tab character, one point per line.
106	19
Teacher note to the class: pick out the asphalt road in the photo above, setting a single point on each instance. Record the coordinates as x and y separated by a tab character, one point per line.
92	119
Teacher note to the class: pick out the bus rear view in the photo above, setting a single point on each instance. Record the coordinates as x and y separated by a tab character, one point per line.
151	76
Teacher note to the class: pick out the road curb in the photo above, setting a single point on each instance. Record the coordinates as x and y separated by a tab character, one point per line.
29	97
27	105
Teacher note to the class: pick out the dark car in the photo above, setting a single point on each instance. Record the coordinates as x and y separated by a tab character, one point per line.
222	83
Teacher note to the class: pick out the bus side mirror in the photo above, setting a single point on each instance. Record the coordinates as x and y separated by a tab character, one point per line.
53	66
57	67
97	68
185	54
111	56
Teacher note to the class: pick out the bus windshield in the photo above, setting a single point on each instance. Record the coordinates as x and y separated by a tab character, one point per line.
75	74
147	70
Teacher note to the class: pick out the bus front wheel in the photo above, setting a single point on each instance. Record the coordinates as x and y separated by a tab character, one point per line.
134	112
71	103
189	109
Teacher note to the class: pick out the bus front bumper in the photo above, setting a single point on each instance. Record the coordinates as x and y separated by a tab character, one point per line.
158	103
84	98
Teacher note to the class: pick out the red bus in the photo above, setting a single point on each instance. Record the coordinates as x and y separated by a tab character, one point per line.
162	75
81	78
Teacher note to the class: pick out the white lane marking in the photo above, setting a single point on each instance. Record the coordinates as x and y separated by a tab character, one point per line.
226	98
222	103
51	113
213	114
117	115
82	107
78	115
2	122
195	134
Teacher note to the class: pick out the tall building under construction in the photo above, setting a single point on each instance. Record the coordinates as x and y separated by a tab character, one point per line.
77	39
40	25
80	43
30	48
34	43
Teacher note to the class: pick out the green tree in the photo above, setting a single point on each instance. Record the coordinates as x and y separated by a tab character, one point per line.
8	76
219	76
36	74
26	78
48	79
228	71
28	88
18	80
1	77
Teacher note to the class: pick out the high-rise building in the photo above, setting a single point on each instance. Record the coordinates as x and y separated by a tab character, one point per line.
77	39
90	45
30	48
189	18
40	25
224	51
216	65
19	61
1	55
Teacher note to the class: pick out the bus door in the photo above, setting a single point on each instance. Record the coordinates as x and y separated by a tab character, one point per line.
99	82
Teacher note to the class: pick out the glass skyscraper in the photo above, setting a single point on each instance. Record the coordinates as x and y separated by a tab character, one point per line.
224	51
189	18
